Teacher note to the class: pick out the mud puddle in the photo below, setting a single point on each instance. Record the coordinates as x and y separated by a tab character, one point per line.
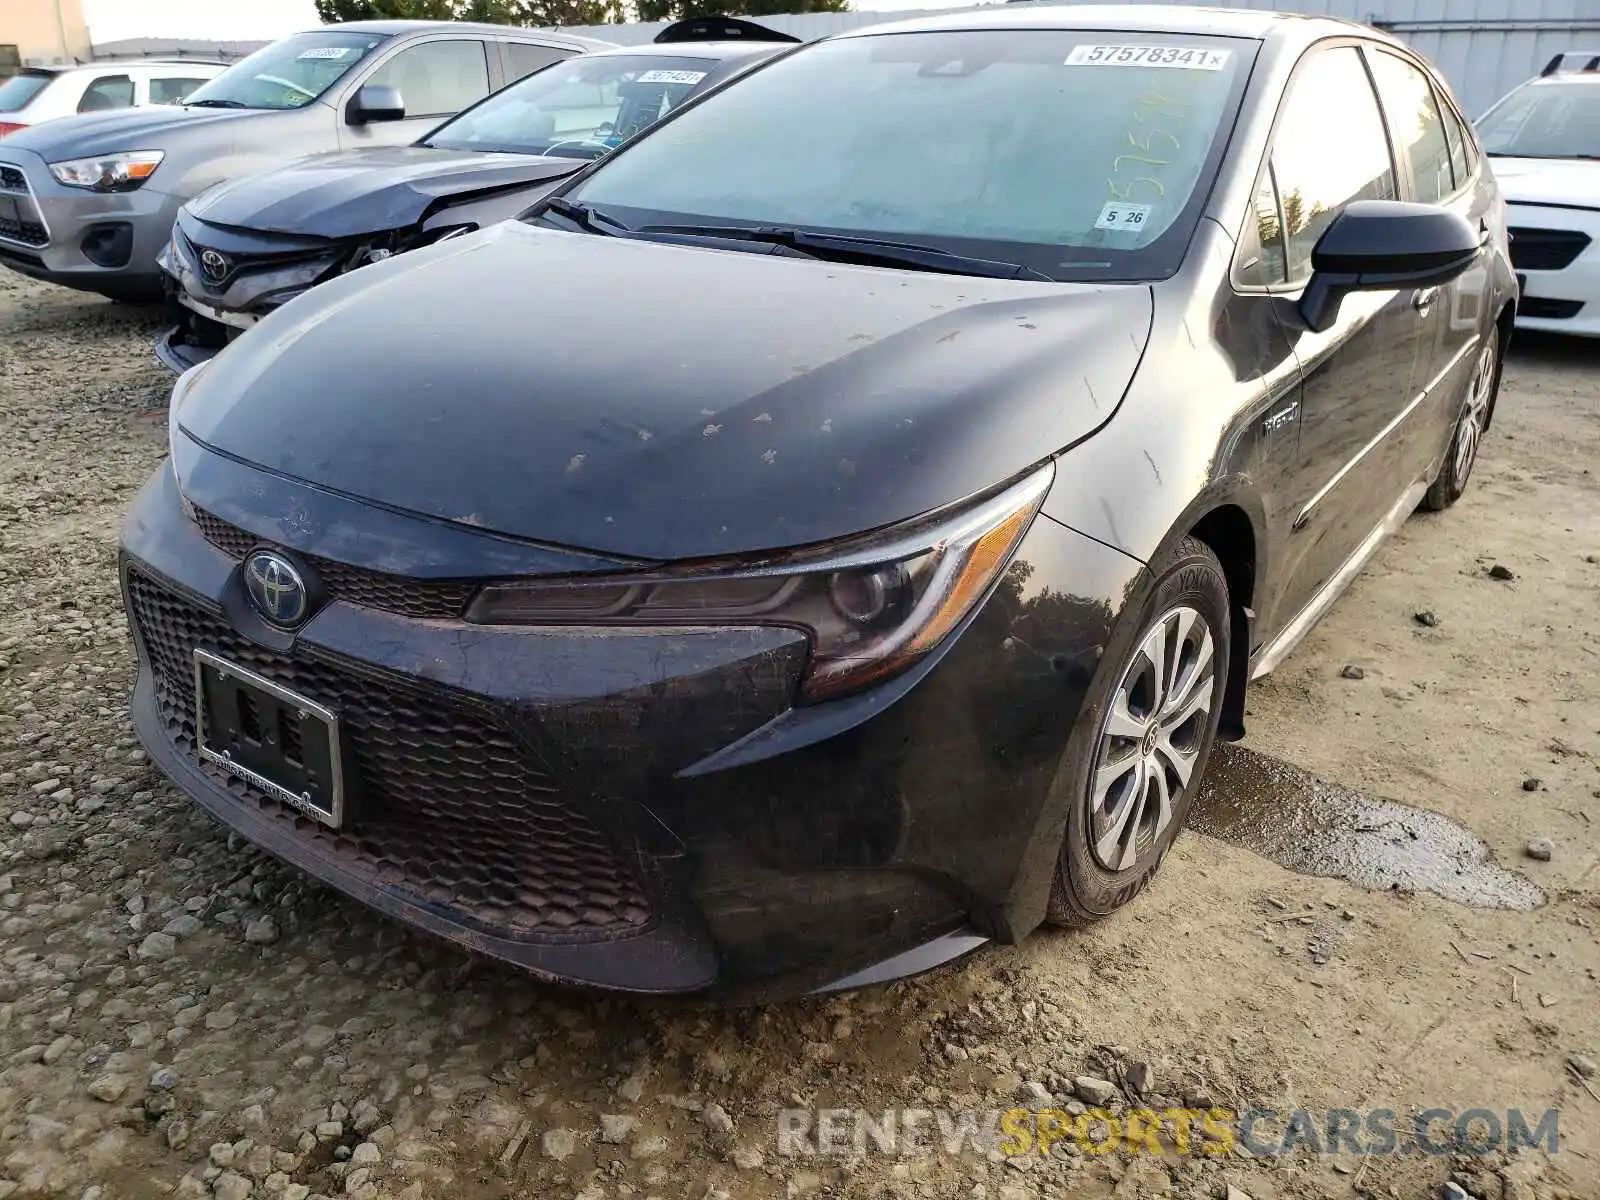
1281	812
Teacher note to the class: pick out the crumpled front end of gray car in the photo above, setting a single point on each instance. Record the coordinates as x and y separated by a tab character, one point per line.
228	279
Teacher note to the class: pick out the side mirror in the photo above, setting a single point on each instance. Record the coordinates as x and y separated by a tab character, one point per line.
375	102
1379	245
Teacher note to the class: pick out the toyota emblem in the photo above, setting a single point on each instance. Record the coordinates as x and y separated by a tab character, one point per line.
214	265
276	588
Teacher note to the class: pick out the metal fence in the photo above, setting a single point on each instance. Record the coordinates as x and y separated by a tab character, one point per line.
1484	47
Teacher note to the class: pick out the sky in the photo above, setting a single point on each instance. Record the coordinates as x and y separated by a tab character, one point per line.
254	20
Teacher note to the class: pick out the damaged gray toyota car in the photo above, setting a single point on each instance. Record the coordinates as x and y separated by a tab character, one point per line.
831	531
243	249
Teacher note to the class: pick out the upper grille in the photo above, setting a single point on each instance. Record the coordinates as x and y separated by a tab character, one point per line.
442	599
1546	249
12	179
449	811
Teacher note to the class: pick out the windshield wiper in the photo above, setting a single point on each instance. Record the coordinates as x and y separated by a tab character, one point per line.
585	216
870	251
216	104
1542	157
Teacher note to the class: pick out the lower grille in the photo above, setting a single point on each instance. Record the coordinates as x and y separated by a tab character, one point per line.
1546	249
449	813
27	232
1549	310
444	599
19	217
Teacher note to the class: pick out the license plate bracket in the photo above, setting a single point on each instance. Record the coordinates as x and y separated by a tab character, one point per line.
234	320
269	736
10	210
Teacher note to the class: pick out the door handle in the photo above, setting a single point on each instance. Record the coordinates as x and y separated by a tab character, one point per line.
1422	299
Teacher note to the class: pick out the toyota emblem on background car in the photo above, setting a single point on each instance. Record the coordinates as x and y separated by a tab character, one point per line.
214	265
276	588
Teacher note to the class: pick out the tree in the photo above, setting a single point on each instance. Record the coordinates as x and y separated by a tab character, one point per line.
493	12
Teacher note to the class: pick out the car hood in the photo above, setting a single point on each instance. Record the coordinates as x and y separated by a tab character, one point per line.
665	401
367	191
1549	180
125	129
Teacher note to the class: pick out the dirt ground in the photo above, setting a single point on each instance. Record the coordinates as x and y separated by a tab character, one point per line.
182	1016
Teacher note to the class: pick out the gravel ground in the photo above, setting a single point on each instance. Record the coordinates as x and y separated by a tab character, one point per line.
180	1015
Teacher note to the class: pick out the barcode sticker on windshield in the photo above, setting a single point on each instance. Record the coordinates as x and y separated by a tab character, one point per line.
671	77
326	52
1123	217
1185	58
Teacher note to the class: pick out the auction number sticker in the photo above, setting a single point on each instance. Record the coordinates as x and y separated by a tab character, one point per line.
326	52
671	77
1123	217
1184	58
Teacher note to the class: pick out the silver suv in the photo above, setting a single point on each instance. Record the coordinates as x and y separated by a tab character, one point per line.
89	201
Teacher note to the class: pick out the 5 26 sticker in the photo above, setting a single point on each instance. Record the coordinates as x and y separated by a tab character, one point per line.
1184	58
1119	216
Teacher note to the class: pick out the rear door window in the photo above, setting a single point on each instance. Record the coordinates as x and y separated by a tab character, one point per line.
107	92
172	89
524	58
437	79
1462	158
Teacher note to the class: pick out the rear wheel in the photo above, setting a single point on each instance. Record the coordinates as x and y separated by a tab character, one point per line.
1482	388
1144	739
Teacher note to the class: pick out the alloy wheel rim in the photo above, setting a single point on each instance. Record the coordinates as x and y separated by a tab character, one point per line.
1150	738
1472	418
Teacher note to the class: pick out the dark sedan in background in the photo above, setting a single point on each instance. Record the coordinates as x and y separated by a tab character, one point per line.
832	531
245	248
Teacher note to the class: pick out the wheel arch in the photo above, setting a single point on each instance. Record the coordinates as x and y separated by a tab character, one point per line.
1506	322
1230	518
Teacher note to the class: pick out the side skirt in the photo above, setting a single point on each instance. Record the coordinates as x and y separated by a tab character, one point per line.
1274	652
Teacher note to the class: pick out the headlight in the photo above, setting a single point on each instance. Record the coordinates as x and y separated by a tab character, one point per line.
871	606
109	172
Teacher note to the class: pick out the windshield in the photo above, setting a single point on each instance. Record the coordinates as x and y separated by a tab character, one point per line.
579	108
1545	120
19	89
1077	155
287	74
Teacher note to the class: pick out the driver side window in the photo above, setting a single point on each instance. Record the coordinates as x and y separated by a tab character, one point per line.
1329	149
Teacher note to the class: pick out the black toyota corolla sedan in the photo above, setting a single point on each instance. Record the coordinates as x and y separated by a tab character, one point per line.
831	532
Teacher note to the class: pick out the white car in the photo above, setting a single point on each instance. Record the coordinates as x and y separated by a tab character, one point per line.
1544	138
38	94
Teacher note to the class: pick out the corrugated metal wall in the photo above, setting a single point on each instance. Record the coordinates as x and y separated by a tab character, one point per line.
1484	47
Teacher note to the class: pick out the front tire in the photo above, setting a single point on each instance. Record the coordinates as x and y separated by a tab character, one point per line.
1143	740
1482	389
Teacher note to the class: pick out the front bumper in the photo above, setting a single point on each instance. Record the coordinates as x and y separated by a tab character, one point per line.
92	241
644	811
1558	257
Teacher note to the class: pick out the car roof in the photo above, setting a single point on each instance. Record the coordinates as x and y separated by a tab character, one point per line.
402	28
1155	18
118	64
722	51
